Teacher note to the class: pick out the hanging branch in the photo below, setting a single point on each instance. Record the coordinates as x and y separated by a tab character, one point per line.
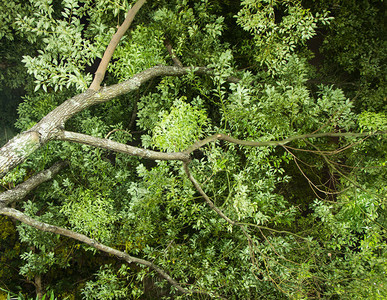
204	195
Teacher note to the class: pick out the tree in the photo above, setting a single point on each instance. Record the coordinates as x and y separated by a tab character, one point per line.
193	163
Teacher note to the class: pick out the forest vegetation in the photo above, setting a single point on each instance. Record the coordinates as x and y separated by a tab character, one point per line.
204	149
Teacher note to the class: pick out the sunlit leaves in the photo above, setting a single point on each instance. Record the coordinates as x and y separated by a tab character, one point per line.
179	128
373	121
65	51
89	212
109	285
193	30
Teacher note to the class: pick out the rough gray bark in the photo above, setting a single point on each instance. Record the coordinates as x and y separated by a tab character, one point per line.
50	127
21	190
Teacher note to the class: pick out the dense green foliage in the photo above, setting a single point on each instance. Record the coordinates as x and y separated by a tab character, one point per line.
312	214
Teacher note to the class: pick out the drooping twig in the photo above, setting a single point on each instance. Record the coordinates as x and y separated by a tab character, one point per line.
204	195
134	113
311	183
115	130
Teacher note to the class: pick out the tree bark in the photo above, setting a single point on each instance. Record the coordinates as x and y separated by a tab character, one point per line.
18	215
21	190
39	287
100	73
23	145
119	147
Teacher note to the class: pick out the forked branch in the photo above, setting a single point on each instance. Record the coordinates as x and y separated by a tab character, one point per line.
172	53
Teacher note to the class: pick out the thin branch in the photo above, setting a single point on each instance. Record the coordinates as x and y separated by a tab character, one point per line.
295	158
347	178
134	111
100	73
18	215
115	130
273	230
274	250
331	152
21	190
175	59
204	195
224	137
283	142
119	147
221	214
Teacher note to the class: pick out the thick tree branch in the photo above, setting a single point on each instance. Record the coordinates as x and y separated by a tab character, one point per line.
100	73
18	215
21	190
24	144
119	147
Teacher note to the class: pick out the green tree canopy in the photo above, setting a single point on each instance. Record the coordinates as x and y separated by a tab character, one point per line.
194	149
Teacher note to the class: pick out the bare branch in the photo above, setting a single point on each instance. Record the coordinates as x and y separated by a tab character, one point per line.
119	147
310	182
116	130
21	190
18	215
224	137
100	73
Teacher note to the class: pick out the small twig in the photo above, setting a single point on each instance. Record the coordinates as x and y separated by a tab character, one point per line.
134	113
115	130
307	178
347	178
